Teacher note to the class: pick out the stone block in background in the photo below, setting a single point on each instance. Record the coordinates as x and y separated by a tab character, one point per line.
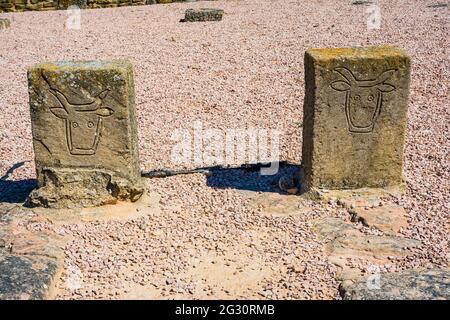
203	14
4	23
354	119
84	133
64	4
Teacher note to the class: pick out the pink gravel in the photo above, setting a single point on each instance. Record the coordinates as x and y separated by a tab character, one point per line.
243	72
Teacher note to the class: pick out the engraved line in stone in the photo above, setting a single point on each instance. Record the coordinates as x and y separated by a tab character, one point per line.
43	144
68	111
350	84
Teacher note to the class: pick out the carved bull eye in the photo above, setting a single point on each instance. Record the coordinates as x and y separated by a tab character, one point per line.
357	97
90	124
75	124
370	97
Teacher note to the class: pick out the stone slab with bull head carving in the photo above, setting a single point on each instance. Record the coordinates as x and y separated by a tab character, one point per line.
84	133
355	112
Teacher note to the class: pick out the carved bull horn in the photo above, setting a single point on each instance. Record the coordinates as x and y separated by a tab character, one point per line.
380	80
66	106
347	75
94	105
351	82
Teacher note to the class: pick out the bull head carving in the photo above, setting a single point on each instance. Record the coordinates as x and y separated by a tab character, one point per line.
83	122
363	99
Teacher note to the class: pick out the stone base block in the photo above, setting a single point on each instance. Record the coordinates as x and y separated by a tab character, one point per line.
69	188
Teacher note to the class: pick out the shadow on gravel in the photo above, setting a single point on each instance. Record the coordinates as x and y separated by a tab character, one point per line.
250	178
15	191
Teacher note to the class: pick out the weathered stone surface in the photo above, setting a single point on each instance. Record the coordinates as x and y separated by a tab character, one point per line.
16	238
349	198
330	228
355	117
64	4
26	277
377	247
279	205
84	133
344	243
438	5
30	261
203	14
408	285
4	23
41	5
389	219
361	2
344	239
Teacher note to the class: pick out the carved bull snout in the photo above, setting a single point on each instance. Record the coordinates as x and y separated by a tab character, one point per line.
363	99
83	122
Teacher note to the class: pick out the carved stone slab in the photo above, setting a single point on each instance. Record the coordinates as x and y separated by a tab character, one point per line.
203	14
354	117
84	133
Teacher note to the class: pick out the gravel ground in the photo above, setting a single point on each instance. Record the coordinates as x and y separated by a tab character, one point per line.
243	72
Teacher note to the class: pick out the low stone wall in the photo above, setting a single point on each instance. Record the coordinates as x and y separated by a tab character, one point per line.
42	5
